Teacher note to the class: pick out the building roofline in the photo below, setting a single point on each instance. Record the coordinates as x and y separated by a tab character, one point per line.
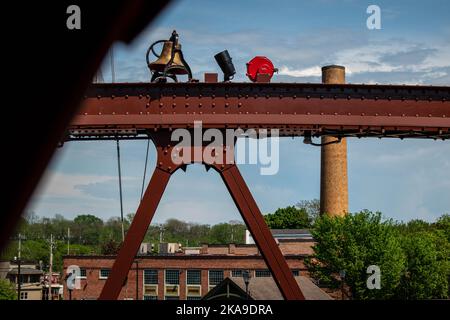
183	256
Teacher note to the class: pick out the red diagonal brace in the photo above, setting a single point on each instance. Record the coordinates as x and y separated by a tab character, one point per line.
135	235
261	234
243	199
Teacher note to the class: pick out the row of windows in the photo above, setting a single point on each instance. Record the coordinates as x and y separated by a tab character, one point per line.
193	277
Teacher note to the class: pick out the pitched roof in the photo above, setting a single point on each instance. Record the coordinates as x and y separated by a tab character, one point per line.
265	288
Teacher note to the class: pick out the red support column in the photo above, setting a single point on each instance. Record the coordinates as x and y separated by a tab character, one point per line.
261	234
135	235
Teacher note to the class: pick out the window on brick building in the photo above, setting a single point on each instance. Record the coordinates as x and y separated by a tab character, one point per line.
296	272
150	276
172	298
172	277
82	273
104	273
149	297
193	277
237	273
262	273
193	298
24	295
215	277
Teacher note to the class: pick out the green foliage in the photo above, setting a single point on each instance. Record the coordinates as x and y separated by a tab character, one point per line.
413	257
7	290
427	271
353	243
288	218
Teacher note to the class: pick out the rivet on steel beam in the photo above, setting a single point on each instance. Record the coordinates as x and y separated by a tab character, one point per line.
147	96
308	97
362	97
160	163
226	105
239	104
226	96
186	105
363	114
201	112
85	113
443	99
389	98
389	114
99	113
174	105
213	96
376	97
403	115
267	96
280	96
140	96
321	113
99	96
126	96
443	116
295	113
226	112
147	105
417	115
335	97
430	115
200	96
174	96
113	96
348	97
213	104
430	99
199	105
376	114
246	96
161	104
213	112
294	96
115	113
127	112
161	112
267	112
349	113
321	96
416	98
187	96
335	113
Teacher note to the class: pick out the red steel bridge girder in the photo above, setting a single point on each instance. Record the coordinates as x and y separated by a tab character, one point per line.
322	109
243	199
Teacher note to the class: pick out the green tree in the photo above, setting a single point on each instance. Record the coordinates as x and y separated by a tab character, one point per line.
312	208
7	290
288	218
353	243
427	270
87	228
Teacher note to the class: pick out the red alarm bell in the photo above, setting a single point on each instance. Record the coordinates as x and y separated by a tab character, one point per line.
260	69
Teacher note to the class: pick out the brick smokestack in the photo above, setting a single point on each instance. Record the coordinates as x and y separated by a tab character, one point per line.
333	162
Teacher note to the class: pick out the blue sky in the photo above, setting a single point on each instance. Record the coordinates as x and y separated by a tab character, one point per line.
405	180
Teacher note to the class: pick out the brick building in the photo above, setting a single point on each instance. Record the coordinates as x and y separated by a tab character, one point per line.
188	274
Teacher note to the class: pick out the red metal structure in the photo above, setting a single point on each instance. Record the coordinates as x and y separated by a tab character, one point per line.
123	111
151	110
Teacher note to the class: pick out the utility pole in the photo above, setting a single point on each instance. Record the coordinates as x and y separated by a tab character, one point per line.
68	241
120	188
161	230
50	297
18	267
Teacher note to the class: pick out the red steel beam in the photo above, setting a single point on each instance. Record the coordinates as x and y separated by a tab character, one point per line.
242	197
291	107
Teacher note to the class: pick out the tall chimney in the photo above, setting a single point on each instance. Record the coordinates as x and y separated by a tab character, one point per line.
333	161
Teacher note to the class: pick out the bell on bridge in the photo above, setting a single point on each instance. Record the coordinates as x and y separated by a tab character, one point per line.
170	62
